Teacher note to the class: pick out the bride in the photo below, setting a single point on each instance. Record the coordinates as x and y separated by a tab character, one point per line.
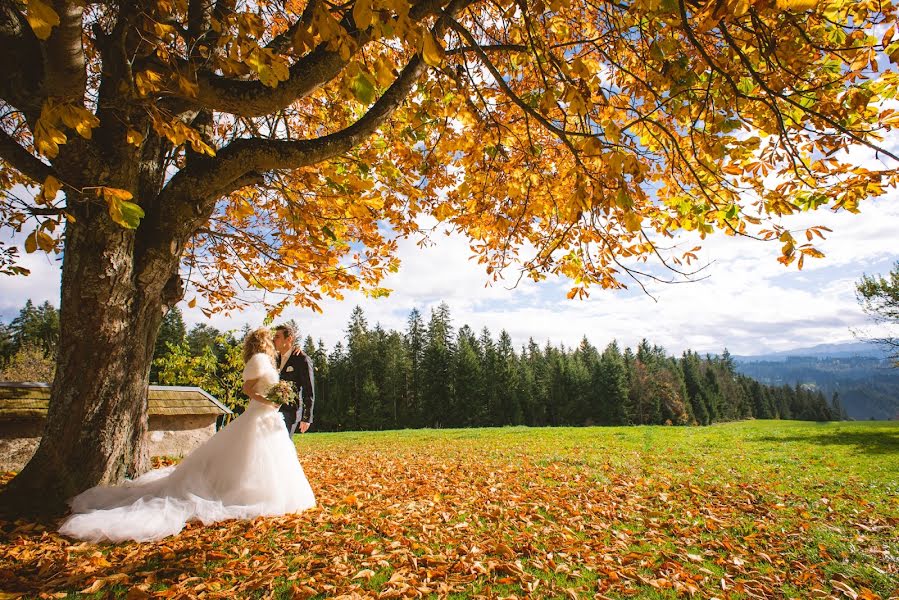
248	469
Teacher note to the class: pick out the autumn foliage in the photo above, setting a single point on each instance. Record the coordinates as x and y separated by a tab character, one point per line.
759	510
566	137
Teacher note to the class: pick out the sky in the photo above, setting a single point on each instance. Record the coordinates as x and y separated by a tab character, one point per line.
749	303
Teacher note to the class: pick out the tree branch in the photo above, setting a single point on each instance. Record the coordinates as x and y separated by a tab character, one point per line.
789	100
560	133
307	74
64	66
22	160
21	82
216	176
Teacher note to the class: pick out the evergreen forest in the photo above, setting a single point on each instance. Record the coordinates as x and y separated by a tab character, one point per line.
435	374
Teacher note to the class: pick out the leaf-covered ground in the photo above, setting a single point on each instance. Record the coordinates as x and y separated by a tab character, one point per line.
761	509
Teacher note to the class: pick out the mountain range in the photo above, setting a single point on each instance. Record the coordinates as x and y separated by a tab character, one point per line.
834	350
861	375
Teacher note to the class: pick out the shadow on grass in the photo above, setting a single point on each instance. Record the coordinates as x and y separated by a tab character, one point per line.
875	442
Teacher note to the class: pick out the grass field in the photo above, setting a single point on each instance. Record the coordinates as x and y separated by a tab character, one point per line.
759	509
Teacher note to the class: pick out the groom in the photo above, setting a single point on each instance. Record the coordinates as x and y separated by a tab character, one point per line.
295	366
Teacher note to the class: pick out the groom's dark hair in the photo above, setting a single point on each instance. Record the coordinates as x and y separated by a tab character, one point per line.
289	330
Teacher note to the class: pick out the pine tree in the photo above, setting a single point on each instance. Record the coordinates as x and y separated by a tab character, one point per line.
36	326
415	344
467	408
437	361
509	406
172	333
488	360
612	388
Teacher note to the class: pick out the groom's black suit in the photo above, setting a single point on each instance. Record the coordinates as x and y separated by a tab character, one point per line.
298	370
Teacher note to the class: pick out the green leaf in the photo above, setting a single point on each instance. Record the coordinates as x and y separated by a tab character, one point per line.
125	213
363	88
131	214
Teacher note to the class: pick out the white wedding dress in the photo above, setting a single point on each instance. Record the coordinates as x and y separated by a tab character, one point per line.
248	469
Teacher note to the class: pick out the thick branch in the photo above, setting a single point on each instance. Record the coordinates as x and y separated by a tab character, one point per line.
22	73
64	67
253	99
307	74
217	175
22	160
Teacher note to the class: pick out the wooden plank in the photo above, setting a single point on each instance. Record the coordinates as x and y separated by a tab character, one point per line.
19	401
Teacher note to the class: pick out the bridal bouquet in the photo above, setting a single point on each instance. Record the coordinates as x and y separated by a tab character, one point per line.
282	392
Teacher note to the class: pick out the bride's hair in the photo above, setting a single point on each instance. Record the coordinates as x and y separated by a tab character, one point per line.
258	341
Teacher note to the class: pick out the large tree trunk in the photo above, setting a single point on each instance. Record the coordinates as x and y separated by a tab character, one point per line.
97	418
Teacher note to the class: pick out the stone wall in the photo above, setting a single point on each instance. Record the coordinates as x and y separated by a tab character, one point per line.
177	435
169	435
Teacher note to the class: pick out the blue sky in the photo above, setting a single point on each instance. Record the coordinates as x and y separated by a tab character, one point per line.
750	303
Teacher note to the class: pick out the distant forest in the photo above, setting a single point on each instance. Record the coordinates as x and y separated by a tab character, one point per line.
867	387
433	374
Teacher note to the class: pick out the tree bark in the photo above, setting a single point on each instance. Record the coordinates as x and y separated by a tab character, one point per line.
97	419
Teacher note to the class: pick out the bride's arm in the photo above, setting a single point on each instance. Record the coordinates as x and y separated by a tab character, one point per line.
248	386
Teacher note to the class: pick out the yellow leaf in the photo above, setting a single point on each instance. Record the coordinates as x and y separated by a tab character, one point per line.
47	138
44	241
243	209
127	214
632	221
384	73
443	212
198	145
42	18
272	69
115	193
797	4
192	303
31	243
362	14
78	118
431	51
135	138
612	132
148	81
49	190
187	87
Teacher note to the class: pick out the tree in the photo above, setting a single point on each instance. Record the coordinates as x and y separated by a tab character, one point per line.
879	297
202	336
36	326
29	363
172	333
504	374
217	368
437	367
285	146
467	407
611	383
7	344
415	344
